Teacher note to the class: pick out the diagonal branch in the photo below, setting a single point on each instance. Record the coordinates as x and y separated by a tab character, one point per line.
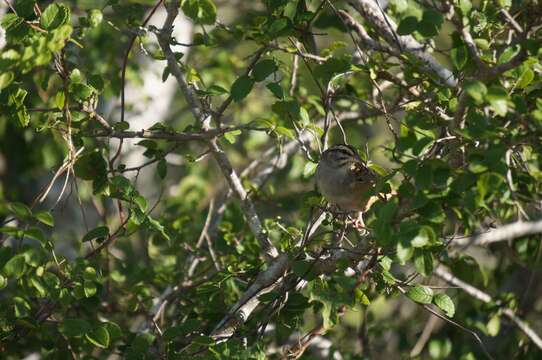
221	158
387	28
486	298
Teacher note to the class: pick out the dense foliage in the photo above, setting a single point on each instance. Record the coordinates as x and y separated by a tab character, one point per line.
216	243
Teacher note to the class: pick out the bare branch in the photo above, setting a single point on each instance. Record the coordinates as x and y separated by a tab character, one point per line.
505	232
171	136
364	39
425	336
387	28
265	282
201	115
482	296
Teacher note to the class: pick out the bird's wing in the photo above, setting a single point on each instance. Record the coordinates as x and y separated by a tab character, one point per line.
362	173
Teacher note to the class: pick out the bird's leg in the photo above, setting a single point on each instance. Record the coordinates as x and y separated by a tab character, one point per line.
358	223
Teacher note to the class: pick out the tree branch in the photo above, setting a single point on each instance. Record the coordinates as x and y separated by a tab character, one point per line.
171	136
201	115
505	232
386	27
482	296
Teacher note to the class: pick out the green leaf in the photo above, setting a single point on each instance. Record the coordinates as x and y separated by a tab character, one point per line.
497	98
444	303
91	166
54	16
15	266
25	8
302	268
99	232
290	10
241	88
304	116
361	297
185	328
423	261
333	66
94	17
404	251
425	236
113	329
74	327
155	224
60	100
494	325
207	12
98	336
263	69
407	26
36	233
89	287
231	136
281	130
310	169
20	210
161	168
215	90
81	91
3	282
90	273
459	56
476	90
508	54
525	79
36	283
201	11
16	104
75	76
45	217
278	26
6	79
420	294
22	307
442	348
203	340
465	6
276	89
431	22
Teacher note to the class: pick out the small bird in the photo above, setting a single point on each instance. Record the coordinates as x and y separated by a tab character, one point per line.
344	179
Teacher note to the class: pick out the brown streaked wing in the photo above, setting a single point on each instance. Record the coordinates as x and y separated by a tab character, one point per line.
363	173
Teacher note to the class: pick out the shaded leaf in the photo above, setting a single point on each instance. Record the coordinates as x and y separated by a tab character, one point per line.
98	336
99	232
16	266
74	327
407	26
241	88
263	69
